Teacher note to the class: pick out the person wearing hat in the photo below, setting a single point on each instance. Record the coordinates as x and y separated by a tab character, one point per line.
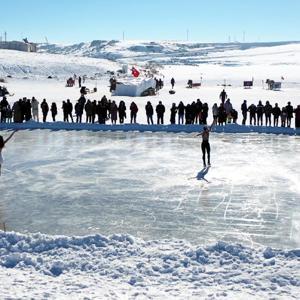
205	146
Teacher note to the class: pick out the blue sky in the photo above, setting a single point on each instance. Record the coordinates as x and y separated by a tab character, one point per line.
68	21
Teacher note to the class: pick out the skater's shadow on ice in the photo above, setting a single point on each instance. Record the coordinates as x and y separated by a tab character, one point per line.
201	174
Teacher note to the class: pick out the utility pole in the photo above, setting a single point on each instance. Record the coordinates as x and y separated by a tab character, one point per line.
5	36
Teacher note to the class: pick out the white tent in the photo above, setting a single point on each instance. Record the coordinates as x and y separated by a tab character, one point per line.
133	87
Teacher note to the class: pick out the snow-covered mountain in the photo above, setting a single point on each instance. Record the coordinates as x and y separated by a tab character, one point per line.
22	64
163	52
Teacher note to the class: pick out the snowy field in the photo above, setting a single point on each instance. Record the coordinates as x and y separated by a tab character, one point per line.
259	63
128	215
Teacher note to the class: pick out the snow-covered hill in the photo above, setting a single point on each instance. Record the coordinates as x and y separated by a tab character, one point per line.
164	52
23	64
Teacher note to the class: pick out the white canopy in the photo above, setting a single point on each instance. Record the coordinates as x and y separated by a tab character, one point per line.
133	87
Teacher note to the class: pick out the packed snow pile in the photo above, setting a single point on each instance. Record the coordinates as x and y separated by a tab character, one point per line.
23	64
163	52
137	267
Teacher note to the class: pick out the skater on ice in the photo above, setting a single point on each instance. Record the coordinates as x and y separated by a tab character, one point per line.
205	146
2	145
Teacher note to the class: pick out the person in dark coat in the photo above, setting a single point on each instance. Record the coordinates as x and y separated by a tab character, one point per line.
268	112
88	111
198	119
289	114
122	112
188	114
297	116
252	110
260	112
79	81
53	111
3	107
94	111
221	114
244	110
149	112
173	114
79	111
17	112
65	113
204	113
160	110
133	112
27	110
69	107
181	110
234	115
193	112
172	83
223	96
45	109
276	113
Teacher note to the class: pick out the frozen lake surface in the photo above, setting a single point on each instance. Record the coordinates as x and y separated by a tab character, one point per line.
153	186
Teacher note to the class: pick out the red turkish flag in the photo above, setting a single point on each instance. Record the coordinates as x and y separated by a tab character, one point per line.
135	72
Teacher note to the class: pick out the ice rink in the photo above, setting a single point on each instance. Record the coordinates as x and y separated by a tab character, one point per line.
153	186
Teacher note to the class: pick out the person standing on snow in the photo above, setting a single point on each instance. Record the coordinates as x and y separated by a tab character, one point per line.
223	96
276	113
45	109
35	109
252	110
244	110
149	113
268	112
289	112
53	111
260	111
297	116
172	82
133	112
215	111
160	110
173	114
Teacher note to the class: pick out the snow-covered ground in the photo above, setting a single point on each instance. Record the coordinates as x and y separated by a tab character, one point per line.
152	223
259	63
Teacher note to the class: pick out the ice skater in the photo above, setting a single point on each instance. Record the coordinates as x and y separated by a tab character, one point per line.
205	146
2	145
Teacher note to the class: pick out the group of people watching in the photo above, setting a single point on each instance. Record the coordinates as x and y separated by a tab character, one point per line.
192	113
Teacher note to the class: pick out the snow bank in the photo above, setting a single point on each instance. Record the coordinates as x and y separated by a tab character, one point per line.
138	267
229	128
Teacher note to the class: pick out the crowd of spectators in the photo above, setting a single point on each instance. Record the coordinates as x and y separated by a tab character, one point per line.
109	111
